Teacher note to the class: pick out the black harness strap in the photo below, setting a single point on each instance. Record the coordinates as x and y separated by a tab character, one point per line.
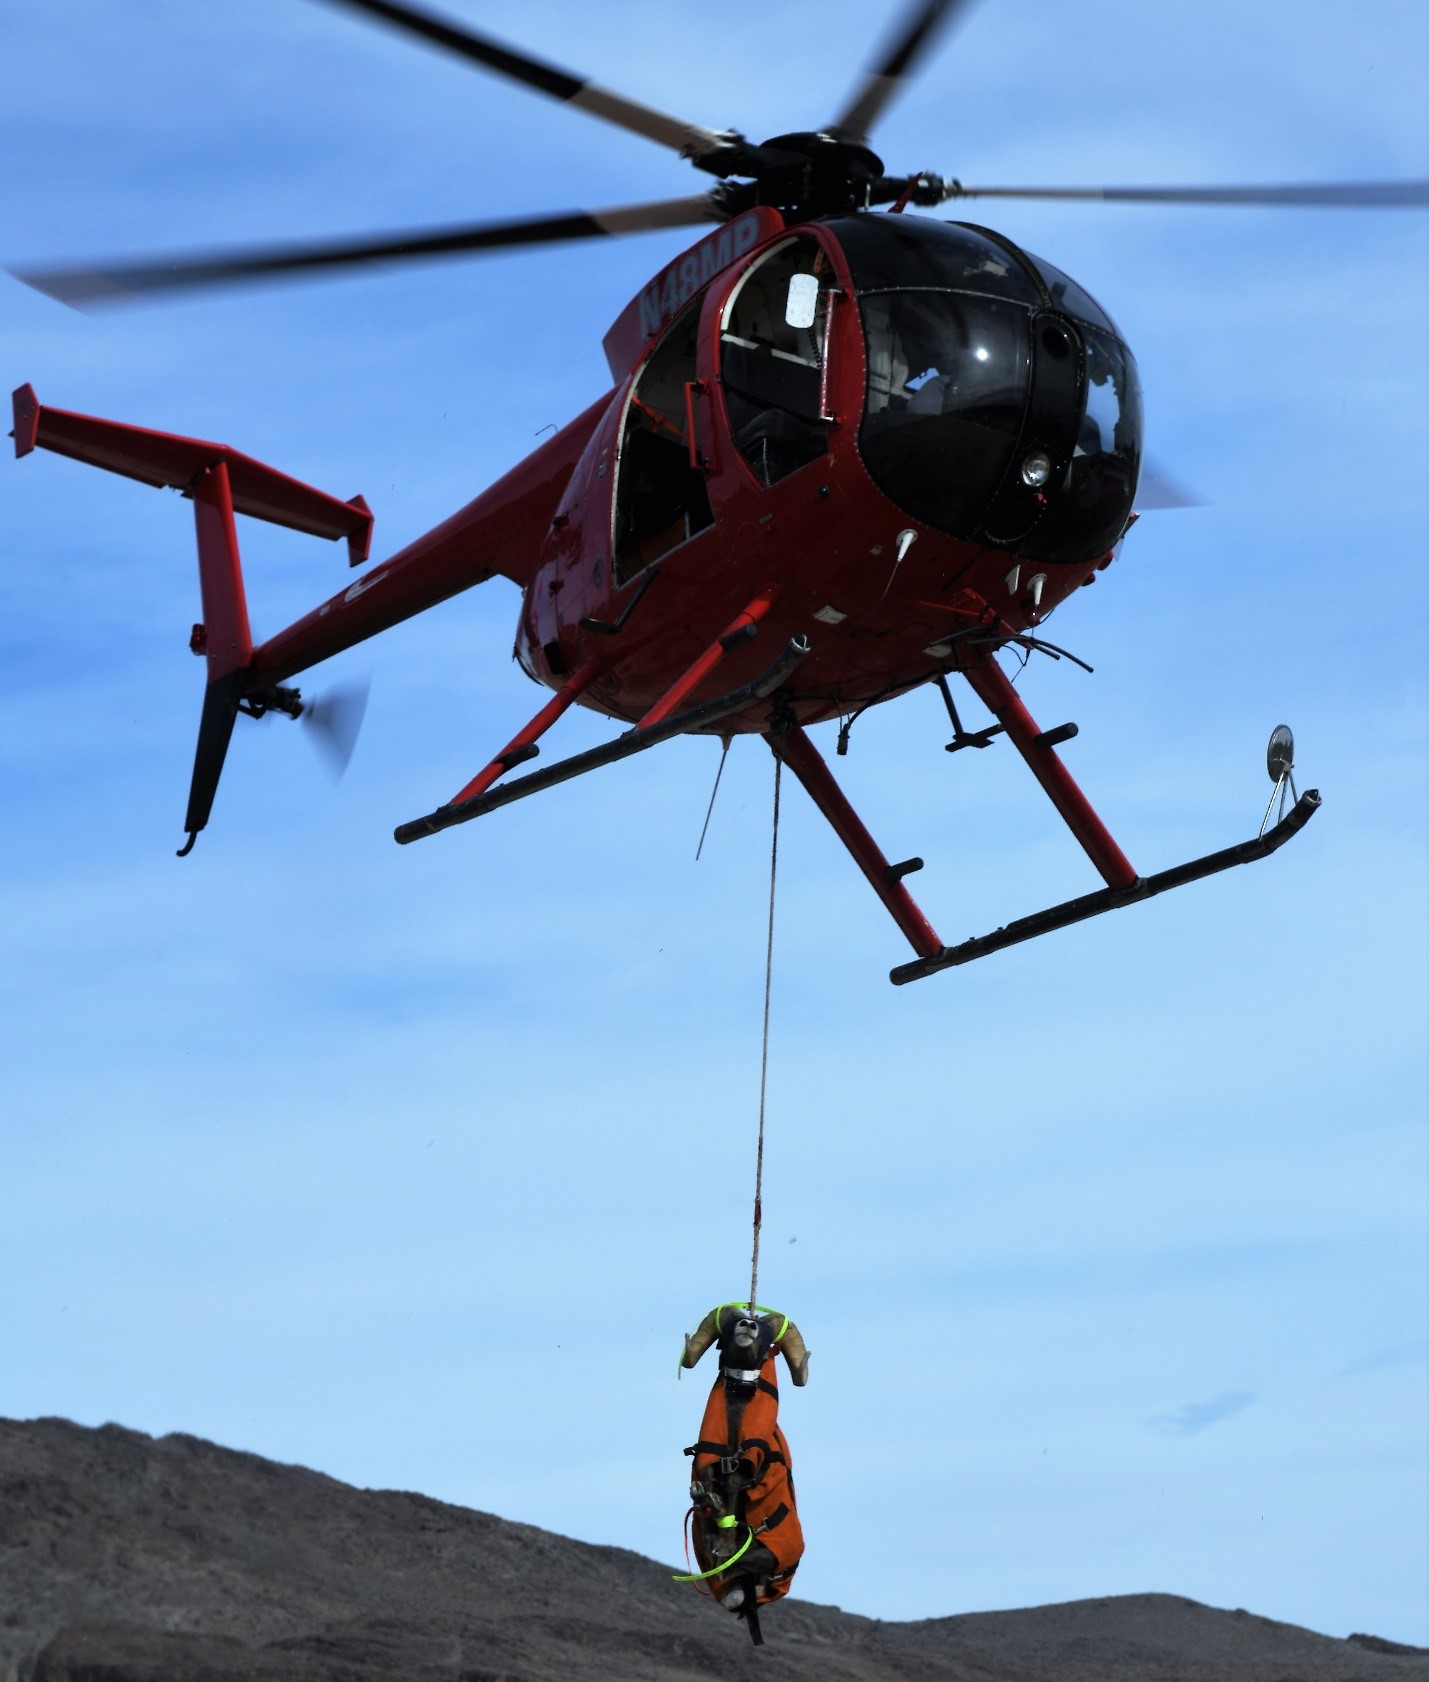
772	1457
751	1616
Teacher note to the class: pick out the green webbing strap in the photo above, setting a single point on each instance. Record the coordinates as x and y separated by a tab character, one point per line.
758	1308
700	1576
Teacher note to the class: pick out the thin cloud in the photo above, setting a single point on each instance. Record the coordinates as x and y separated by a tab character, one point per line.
1401	1355
1196	1416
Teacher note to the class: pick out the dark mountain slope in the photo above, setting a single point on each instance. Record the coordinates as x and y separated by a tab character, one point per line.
129	1559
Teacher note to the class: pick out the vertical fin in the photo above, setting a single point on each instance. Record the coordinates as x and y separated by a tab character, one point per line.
228	639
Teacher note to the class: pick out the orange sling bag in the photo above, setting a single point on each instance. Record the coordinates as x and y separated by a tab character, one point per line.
742	1457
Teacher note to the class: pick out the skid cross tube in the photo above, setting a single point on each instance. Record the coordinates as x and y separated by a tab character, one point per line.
1112	899
633	741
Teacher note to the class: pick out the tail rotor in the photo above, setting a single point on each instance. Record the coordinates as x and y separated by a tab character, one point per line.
332	722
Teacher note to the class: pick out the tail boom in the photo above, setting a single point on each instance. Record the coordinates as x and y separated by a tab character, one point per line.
498	533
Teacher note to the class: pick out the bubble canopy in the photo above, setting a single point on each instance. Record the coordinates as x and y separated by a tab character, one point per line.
1002	405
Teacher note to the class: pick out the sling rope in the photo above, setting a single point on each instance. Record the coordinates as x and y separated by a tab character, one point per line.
699	1577
764	1052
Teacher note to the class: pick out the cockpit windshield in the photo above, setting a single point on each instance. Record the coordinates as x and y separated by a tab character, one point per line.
1070	298
947	387
1002	405
888	253
1089	512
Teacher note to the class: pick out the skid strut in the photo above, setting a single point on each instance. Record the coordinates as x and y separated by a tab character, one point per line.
743	626
522	745
989	683
886	880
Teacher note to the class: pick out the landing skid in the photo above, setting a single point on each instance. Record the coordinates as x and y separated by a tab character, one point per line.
1123	885
1112	899
790	743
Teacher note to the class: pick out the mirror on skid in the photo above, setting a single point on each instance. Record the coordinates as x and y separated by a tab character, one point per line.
803	300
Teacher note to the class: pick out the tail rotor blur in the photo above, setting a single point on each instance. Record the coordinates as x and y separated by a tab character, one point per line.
333	721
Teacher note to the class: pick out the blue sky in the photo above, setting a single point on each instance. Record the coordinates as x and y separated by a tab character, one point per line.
413	1165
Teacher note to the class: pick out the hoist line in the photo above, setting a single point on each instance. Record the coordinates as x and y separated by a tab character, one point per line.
764	1051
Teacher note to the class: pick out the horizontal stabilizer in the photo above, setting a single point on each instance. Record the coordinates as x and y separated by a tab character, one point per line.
163	458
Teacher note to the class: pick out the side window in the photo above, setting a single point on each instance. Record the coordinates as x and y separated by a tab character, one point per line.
660	500
772	359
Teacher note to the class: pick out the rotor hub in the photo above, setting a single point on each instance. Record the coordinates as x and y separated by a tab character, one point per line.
824	175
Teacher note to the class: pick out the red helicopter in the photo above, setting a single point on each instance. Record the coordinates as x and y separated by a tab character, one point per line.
846	453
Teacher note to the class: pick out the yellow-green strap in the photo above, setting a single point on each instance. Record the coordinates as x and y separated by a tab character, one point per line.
700	1576
758	1307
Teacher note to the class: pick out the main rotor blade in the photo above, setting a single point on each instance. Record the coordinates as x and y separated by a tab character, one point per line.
1156	488
690	140
94	286
922	22
1381	195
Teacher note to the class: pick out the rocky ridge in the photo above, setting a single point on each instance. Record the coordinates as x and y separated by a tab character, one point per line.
125	1558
